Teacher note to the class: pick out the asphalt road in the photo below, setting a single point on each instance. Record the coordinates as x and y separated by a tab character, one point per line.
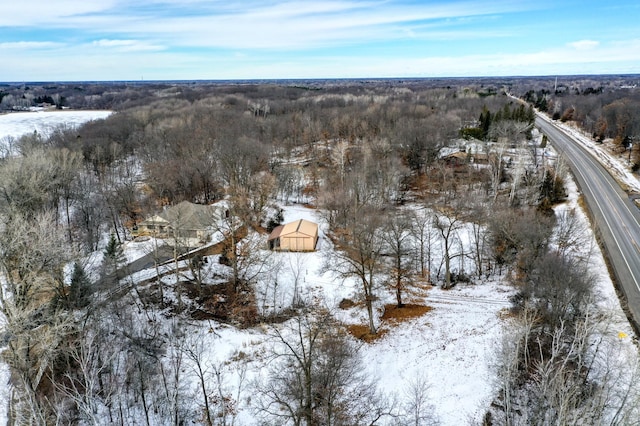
616	218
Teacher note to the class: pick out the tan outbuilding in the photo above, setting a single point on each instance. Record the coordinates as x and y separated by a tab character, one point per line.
301	235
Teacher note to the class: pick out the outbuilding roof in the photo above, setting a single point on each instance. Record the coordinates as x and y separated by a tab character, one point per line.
300	226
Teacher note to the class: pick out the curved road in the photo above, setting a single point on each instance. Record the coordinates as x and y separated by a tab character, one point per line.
616	217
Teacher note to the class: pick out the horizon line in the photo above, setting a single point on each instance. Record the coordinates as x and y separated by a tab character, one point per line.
322	79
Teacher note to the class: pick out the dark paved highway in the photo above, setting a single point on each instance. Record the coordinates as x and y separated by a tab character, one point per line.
616	217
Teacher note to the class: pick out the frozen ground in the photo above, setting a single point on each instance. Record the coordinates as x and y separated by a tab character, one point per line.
453	347
16	124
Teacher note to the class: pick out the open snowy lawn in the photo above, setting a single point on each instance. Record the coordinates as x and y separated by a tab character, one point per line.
16	124
452	347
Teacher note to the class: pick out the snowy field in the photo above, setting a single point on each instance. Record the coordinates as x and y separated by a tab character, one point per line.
453	347
16	124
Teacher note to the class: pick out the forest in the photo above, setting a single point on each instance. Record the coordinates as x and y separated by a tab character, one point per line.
416	184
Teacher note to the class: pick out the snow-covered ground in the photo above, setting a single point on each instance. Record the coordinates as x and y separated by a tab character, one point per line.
453	346
16	124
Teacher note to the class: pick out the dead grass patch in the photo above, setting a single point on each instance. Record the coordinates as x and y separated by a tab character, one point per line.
507	313
363	333
393	314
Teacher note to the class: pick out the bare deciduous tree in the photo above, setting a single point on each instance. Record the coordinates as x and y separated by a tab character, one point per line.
399	246
317	377
448	222
360	247
32	256
423	231
418	407
571	236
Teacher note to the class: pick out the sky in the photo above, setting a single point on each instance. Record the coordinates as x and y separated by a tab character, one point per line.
109	40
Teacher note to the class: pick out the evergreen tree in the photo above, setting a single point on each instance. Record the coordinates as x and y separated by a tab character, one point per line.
544	142
485	122
552	188
506	112
519	113
113	255
531	115
80	287
497	116
542	104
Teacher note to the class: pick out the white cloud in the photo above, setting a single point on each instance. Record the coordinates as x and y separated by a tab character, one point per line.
126	45
47	12
584	44
113	64
250	24
106	39
26	45
341	23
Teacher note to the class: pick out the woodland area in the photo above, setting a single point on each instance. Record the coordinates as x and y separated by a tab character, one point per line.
397	170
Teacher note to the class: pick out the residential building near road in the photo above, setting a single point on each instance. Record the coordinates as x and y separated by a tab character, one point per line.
191	224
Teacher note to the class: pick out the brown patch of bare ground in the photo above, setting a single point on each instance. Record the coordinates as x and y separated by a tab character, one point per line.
392	316
363	333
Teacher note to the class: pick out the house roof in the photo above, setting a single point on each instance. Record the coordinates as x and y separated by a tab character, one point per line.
458	155
301	226
155	220
186	215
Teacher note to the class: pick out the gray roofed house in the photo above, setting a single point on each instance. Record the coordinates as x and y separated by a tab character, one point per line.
192	224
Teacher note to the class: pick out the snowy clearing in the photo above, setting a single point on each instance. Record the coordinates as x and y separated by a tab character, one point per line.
17	124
